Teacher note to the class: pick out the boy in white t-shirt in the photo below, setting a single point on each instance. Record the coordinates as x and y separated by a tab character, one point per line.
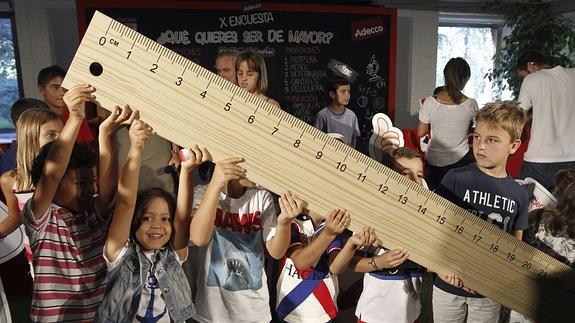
233	220
306	289
392	283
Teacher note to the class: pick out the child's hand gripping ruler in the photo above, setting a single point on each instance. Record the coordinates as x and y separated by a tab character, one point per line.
188	104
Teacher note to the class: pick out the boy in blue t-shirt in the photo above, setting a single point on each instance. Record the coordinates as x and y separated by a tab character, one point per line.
486	190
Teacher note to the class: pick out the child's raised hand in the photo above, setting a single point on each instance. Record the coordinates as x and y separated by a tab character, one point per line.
227	170
139	133
119	117
291	206
76	99
392	258
195	157
455	280
336	221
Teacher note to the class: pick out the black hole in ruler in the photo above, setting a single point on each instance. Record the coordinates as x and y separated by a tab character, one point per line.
96	69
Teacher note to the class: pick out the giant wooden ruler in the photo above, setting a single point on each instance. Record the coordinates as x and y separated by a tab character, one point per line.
188	104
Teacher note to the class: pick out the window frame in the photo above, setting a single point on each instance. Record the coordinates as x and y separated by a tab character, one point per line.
8	137
494	22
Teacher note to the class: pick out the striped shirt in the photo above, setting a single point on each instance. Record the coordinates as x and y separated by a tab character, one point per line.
70	272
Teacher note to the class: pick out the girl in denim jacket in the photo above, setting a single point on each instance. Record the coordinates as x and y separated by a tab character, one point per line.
147	244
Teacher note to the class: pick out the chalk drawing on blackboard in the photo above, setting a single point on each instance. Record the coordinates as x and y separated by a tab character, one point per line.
372	69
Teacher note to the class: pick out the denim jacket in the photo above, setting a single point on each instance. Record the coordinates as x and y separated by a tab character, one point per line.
125	284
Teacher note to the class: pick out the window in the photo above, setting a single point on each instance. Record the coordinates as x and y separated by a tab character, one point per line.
9	76
477	45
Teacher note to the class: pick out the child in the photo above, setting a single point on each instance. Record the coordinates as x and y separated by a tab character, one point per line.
8	160
391	283
147	244
306	289
336	118
449	115
252	74
235	220
35	128
63	221
49	86
485	189
406	162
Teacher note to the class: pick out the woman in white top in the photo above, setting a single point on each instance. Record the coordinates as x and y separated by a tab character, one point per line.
449	114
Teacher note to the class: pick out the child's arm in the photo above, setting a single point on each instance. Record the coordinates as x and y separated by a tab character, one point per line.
338	261
290	206
59	155
389	259
202	226
13	220
337	220
518	234
108	155
182	218
119	231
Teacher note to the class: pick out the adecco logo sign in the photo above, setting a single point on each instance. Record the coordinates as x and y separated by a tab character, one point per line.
367	28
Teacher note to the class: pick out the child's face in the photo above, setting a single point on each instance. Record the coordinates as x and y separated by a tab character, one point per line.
411	168
492	146
53	94
342	95
155	225
49	131
76	189
247	79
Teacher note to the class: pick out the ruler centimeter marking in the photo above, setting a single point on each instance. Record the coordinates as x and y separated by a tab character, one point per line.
200	107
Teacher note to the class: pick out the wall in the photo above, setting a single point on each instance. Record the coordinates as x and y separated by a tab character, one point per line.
47	34
416	63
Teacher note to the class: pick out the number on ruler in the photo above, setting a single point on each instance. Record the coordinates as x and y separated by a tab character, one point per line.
440	219
129	53
296	143
228	106
526	265
179	81
402	199
383	188
318	155
341	166
422	209
542	273
275	130
361	177
251	119
511	256
154	68
459	229
476	238
203	94
493	247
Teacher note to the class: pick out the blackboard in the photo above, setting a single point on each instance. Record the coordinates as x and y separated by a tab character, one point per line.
297	40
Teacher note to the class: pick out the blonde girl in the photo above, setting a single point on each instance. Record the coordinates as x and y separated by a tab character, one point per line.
252	74
34	129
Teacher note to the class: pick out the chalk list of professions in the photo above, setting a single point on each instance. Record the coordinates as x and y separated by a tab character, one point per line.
303	81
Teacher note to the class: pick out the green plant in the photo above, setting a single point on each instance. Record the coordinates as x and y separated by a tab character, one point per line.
535	25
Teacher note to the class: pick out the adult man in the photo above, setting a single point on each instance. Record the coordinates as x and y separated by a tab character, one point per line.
226	65
550	91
